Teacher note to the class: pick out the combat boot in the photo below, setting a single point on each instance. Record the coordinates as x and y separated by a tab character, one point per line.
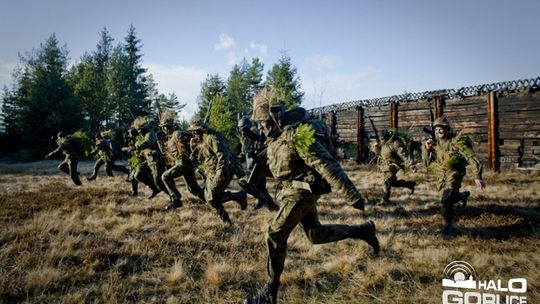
267	295
76	179
448	229
366	232
176	203
155	192
91	178
134	188
239	197
272	206
463	197
411	186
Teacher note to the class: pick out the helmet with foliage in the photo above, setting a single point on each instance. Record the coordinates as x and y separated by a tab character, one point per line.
262	103
197	124
442	122
141	123
167	118
107	134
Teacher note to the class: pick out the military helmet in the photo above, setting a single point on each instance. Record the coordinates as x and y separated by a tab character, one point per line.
244	122
262	102
441	122
197	125
140	123
167	118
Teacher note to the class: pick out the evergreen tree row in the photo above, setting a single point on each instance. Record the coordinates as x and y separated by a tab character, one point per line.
106	89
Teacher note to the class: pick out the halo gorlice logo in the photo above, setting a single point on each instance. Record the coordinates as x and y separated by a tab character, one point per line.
461	275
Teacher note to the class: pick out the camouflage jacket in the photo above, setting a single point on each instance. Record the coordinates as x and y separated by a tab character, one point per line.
453	153
69	146
176	151
104	148
149	147
310	170
393	153
213	155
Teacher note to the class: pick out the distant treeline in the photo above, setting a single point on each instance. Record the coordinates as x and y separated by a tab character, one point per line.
108	88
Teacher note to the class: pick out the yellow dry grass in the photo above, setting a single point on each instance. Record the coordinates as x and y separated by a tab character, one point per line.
96	244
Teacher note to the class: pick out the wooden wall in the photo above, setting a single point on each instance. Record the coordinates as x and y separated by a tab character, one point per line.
504	126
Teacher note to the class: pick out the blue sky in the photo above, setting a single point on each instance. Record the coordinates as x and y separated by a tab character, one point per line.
344	50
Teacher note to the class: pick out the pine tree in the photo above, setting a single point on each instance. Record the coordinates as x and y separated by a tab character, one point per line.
211	87
283	78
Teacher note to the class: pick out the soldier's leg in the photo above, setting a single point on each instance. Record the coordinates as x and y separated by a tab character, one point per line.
168	180
214	196
192	184
389	178
449	196
63	166
97	165
157	169
225	196
74	174
320	234
258	190
143	174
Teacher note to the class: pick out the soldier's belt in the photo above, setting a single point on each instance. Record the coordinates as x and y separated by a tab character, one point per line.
295	184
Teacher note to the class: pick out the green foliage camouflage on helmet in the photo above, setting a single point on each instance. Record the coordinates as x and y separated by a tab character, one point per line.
441	122
197	124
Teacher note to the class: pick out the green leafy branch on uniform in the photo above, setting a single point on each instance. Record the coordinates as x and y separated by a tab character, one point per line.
303	138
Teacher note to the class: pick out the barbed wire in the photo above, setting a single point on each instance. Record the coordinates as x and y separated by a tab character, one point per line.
458	93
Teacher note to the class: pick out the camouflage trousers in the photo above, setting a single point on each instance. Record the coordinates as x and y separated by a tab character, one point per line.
189	176
157	168
257	188
69	166
448	185
110	166
141	173
391	180
298	207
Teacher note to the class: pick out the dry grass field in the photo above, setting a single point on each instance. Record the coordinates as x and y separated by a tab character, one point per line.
96	244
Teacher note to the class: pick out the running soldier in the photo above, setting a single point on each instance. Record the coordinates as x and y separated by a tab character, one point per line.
211	153
306	170
73	149
449	156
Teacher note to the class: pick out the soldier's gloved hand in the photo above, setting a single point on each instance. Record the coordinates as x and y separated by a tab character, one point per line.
359	204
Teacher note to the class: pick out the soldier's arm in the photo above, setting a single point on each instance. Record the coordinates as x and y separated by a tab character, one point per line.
403	154
149	140
217	148
476	165
325	164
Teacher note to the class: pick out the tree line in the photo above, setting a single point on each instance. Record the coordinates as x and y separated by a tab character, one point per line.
108	87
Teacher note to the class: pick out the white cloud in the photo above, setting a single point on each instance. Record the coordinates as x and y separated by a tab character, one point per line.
324	62
259	47
185	82
225	42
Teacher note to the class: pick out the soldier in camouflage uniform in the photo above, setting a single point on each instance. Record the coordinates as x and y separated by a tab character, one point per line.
139	170
177	155
393	157
105	151
255	182
306	170
211	153
72	149
449	156
149	147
